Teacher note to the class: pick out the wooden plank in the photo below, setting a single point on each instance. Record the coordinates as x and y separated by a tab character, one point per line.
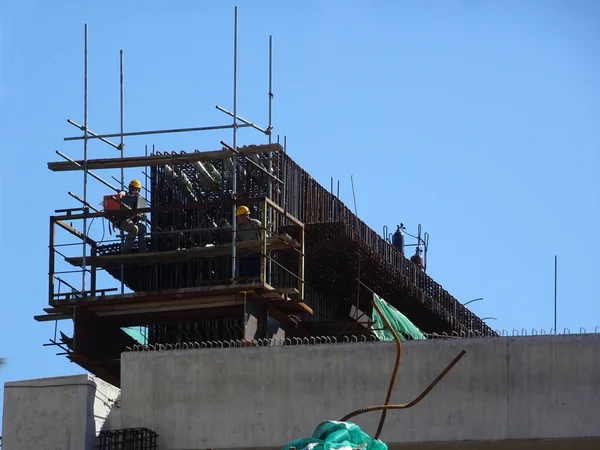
166	309
190	303
52	317
165	295
273	244
271	294
56	310
161	160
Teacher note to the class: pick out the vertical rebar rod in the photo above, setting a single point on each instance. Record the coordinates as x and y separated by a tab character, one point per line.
284	187
122	144
122	148
147	171
233	157
354	197
555	289
85	148
270	87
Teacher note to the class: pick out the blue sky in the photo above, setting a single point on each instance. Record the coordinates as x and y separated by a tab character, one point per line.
478	119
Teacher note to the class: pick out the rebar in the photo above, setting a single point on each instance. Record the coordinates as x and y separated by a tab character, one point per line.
335	241
421	396
388	398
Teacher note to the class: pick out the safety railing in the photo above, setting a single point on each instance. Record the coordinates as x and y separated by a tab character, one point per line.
187	246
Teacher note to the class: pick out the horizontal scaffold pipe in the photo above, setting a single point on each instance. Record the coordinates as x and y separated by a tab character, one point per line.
145	133
161	160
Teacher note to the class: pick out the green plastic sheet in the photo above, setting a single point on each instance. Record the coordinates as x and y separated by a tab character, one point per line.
139	334
401	325
332	435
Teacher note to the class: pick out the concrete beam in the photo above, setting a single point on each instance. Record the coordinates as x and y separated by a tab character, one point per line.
504	389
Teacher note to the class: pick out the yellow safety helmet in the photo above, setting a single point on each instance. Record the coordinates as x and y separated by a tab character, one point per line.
242	211
135	184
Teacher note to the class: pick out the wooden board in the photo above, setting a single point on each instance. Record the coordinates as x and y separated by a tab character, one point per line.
161	160
159	296
273	244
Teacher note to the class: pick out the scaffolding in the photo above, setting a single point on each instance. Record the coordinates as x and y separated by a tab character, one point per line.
310	270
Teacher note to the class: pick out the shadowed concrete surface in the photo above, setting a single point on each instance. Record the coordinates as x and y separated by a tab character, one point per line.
62	413
504	389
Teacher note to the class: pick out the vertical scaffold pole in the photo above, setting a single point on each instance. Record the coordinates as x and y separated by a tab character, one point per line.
233	157
270	127
85	149
122	148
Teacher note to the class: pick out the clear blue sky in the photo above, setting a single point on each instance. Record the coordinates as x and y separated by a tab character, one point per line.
478	119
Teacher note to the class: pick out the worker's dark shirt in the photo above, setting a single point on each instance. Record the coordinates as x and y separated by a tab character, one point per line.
249	231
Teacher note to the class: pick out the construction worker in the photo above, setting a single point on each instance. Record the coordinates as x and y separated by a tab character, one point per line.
248	229
133	225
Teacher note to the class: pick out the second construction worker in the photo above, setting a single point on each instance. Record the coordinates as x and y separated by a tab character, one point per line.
132	225
248	229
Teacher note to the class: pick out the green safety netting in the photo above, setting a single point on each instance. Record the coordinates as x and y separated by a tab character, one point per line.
332	435
139	334
403	327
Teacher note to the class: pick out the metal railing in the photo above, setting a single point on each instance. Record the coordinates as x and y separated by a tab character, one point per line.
183	258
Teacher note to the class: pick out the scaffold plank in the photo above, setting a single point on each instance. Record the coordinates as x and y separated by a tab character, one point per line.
273	244
161	160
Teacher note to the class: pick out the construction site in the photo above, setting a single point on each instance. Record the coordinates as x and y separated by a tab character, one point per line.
311	270
224	296
233	246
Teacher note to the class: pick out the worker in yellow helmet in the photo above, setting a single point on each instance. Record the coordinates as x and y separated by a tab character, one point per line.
133	225
248	229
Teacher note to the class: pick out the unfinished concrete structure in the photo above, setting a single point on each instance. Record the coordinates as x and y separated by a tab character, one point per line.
319	267
512	393
319	263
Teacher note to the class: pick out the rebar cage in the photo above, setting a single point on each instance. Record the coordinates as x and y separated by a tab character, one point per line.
192	211
127	439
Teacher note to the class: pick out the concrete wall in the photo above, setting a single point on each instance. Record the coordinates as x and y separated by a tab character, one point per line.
63	413
504	388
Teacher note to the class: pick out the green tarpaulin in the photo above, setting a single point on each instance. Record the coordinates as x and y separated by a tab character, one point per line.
404	327
332	435
137	333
